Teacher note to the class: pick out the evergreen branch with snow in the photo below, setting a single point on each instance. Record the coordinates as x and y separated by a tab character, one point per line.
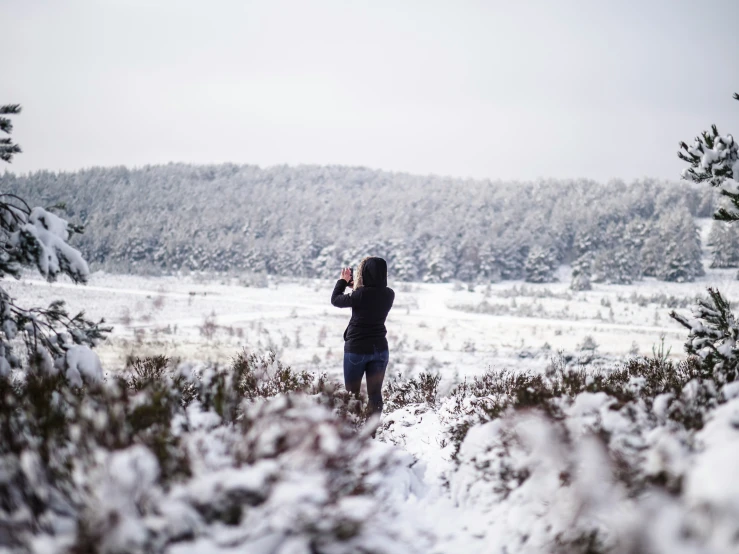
54	340
713	334
714	158
7	147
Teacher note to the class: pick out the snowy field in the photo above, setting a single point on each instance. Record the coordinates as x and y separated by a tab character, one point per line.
423	500
439	327
452	472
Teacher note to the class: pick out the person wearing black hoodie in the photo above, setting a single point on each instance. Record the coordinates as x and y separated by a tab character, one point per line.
365	343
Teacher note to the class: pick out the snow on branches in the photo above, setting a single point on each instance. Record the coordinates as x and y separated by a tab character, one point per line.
715	158
35	237
713	336
7	147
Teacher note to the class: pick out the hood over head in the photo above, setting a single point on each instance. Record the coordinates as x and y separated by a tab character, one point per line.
372	273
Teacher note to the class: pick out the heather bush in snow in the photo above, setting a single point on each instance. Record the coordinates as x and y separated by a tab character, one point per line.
422	389
580	460
177	458
683	393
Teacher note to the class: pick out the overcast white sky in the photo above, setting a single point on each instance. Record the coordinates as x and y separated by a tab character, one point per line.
472	89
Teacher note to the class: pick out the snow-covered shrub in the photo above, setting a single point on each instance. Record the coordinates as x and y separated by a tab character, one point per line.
537	486
250	376
685	395
581	460
600	478
53	434
422	389
167	458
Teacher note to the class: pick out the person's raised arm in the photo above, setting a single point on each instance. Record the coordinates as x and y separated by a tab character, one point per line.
338	298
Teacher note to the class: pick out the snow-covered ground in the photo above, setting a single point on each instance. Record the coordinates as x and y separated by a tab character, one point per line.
520	483
442	327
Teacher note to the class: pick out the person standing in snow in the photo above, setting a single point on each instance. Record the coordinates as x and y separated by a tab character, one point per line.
365	346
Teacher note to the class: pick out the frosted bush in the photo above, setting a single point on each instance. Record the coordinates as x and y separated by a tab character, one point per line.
167	458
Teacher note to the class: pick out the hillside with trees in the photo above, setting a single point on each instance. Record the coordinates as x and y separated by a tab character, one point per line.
306	221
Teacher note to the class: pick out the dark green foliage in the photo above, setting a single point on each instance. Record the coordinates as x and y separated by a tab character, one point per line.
257	376
44	419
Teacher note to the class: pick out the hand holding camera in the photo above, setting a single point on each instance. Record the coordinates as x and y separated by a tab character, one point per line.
348	275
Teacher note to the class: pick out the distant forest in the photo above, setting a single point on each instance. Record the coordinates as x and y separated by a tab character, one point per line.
308	221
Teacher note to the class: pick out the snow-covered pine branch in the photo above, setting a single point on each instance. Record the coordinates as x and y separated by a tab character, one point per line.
55	341
713	336
7	147
715	158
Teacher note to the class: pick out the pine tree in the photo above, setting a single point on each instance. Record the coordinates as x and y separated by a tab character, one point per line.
714	158
618	266
405	265
489	264
511	259
724	243
541	264
439	265
713	337
681	259
8	148
713	329
582	270
35	237
468	262
326	263
651	255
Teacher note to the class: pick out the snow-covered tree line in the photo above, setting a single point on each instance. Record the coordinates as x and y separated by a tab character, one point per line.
308	220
